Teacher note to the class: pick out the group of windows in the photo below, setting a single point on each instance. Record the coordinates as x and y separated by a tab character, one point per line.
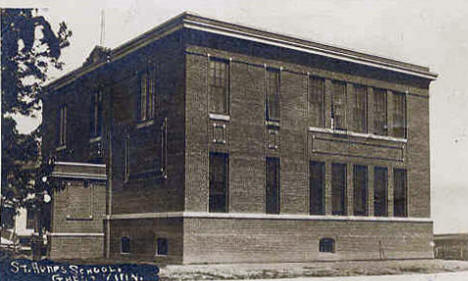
357	121
219	188
162	246
360	190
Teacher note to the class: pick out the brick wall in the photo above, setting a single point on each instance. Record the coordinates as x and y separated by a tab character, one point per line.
210	240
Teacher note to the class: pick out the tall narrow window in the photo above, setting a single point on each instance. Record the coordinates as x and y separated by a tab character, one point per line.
399	115
127	159
360	109
219	86
380	112
96	114
62	126
163	134
360	190
380	192
125	245
219	171
273	95
316	102
317	172
338	110
272	186
162	247
147	96
400	189
339	189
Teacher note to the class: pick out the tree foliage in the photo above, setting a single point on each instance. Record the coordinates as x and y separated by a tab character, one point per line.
30	48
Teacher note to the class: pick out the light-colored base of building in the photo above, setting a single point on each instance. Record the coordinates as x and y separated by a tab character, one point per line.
195	240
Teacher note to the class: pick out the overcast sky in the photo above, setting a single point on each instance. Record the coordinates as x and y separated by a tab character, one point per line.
425	32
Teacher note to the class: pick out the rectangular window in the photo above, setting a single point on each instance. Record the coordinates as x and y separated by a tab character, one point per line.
162	247
316	102
380	112
399	115
272	186
96	114
219	86
127	158
360	109
62	126
380	192
339	189
219	171
317	187
163	134
400	189
273	95
338	110
360	190
147	96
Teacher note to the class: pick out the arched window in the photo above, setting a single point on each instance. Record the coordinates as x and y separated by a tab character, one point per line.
125	245
327	245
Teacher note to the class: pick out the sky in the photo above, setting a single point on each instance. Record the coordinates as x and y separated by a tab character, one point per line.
425	32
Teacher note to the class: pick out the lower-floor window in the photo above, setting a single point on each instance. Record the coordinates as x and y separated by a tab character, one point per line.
272	186
219	171
327	245
360	190
400	193
317	184
380	192
125	245
162	247
338	189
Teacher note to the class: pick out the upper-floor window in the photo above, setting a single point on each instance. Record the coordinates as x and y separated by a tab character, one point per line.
147	96
317	102
399	115
96	114
360	109
380	112
338	110
62	125
219	86
273	95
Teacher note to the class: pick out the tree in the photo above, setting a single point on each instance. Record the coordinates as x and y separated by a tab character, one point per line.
29	48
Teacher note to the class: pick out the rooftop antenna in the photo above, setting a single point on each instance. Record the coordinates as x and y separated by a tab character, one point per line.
101	42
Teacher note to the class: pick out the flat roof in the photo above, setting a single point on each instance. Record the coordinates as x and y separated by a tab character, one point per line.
189	20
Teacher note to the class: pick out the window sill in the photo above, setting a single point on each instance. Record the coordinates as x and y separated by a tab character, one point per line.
220	117
144	124
69	218
60	148
95	139
355	134
272	123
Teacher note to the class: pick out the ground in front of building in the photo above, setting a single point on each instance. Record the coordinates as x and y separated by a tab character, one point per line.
294	270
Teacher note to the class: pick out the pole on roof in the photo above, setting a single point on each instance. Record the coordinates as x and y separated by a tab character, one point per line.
101	42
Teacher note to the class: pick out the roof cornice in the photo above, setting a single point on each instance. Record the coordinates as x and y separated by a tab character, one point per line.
196	22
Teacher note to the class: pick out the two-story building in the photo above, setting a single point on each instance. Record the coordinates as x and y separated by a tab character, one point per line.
206	141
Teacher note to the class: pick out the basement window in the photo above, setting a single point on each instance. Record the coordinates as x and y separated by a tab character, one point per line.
162	247
327	245
125	245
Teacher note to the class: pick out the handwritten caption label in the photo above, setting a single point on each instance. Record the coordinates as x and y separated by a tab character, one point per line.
54	271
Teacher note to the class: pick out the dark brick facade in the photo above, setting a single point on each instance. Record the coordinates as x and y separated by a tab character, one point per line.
158	183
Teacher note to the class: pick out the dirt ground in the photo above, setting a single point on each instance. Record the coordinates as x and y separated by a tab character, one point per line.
316	269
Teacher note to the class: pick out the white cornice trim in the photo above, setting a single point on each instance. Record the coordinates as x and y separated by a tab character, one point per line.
79	175
264	216
173	25
80	164
354	134
75	234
